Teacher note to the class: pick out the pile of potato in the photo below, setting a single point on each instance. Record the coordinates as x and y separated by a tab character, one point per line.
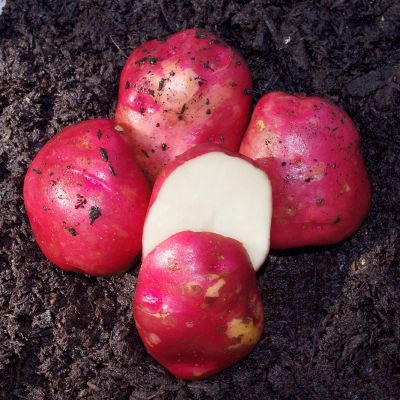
182	176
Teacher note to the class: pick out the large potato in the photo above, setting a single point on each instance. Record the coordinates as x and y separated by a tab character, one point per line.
197	307
187	89
86	199
311	151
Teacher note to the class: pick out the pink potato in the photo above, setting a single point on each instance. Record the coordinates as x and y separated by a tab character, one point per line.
86	199
311	151
187	89
197	306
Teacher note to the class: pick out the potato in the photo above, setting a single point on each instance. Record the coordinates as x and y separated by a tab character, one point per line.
86	199
210	189
188	89
311	151
197	307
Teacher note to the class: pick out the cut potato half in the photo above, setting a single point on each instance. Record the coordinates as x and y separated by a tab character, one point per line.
213	192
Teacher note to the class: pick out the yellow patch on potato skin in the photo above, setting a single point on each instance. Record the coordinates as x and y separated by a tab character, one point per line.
260	125
166	317
86	143
154	339
160	314
212	277
243	331
213	291
199	372
346	188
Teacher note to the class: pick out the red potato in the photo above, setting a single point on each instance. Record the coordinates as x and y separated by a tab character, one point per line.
197	307
86	199
210	189
182	91
311	151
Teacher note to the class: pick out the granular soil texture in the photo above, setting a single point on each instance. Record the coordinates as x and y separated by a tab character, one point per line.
332	314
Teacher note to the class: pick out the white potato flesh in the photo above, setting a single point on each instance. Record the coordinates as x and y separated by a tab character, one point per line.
214	192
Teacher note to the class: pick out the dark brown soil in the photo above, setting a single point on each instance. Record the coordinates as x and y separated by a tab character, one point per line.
332	314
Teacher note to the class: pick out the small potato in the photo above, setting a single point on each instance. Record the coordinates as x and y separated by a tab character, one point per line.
86	199
188	89
197	306
311	151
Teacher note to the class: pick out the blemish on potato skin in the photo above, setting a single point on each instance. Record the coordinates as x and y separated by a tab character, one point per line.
291	211
110	167
260	125
81	201
192	288
337	220
238	289
346	188
155	339
213	291
242	332
256	307
104	154
94	213
145	153
172	264
199	373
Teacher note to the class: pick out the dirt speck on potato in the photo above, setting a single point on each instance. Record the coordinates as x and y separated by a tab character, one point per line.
94	213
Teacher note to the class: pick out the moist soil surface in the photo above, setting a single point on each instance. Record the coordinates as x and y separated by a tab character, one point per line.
332	313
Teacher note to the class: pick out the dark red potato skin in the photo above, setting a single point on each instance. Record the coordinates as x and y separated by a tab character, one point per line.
311	151
197	306
86	199
186	90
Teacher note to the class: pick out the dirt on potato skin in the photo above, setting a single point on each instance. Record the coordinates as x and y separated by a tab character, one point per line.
332	314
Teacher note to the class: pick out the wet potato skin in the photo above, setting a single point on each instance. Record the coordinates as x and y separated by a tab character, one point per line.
197	306
311	151
86	199
187	89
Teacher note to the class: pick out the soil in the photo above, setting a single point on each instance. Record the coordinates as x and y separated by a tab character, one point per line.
332	314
